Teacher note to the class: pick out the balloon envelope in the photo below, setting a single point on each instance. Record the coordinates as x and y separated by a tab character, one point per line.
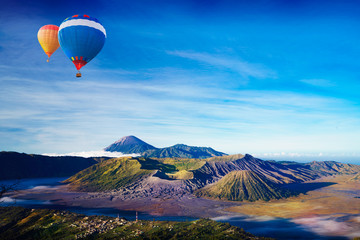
81	38
48	38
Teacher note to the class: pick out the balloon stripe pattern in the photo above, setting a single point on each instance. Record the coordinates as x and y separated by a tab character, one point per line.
48	39
81	37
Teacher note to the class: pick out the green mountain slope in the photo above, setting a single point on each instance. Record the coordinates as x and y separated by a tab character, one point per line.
110	174
44	224
20	165
243	185
182	151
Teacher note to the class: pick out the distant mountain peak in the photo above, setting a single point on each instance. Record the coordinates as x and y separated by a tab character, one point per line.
129	144
180	145
129	140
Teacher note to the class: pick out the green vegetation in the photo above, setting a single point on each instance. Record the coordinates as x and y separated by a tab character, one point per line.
183	167
153	164
171	168
108	175
183	163
22	223
243	185
183	175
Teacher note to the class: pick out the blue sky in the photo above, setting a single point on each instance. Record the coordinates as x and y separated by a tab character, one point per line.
277	79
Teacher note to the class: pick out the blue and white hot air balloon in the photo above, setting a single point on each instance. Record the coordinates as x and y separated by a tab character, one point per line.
81	38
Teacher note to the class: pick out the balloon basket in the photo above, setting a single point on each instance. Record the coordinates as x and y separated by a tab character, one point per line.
78	74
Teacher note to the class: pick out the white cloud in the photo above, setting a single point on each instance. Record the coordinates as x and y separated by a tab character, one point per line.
347	157
43	187
328	226
100	153
242	67
65	116
248	218
8	200
318	82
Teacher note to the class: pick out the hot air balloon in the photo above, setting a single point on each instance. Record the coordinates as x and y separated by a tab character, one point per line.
81	38
48	39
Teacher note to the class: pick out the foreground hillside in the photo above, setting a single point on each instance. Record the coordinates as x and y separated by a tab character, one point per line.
20	165
22	223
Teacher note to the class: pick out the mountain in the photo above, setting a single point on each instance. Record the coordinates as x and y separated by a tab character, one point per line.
132	144
327	168
323	168
243	185
234	177
20	165
129	144
182	151
216	168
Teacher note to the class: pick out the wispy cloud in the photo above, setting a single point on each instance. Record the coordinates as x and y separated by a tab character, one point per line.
63	115
249	218
347	157
243	68
319	82
99	153
328	226
320	227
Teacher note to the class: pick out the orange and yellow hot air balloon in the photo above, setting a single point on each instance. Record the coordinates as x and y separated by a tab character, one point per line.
48	39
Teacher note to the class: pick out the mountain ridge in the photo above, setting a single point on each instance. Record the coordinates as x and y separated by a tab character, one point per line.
182	177
183	151
16	165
